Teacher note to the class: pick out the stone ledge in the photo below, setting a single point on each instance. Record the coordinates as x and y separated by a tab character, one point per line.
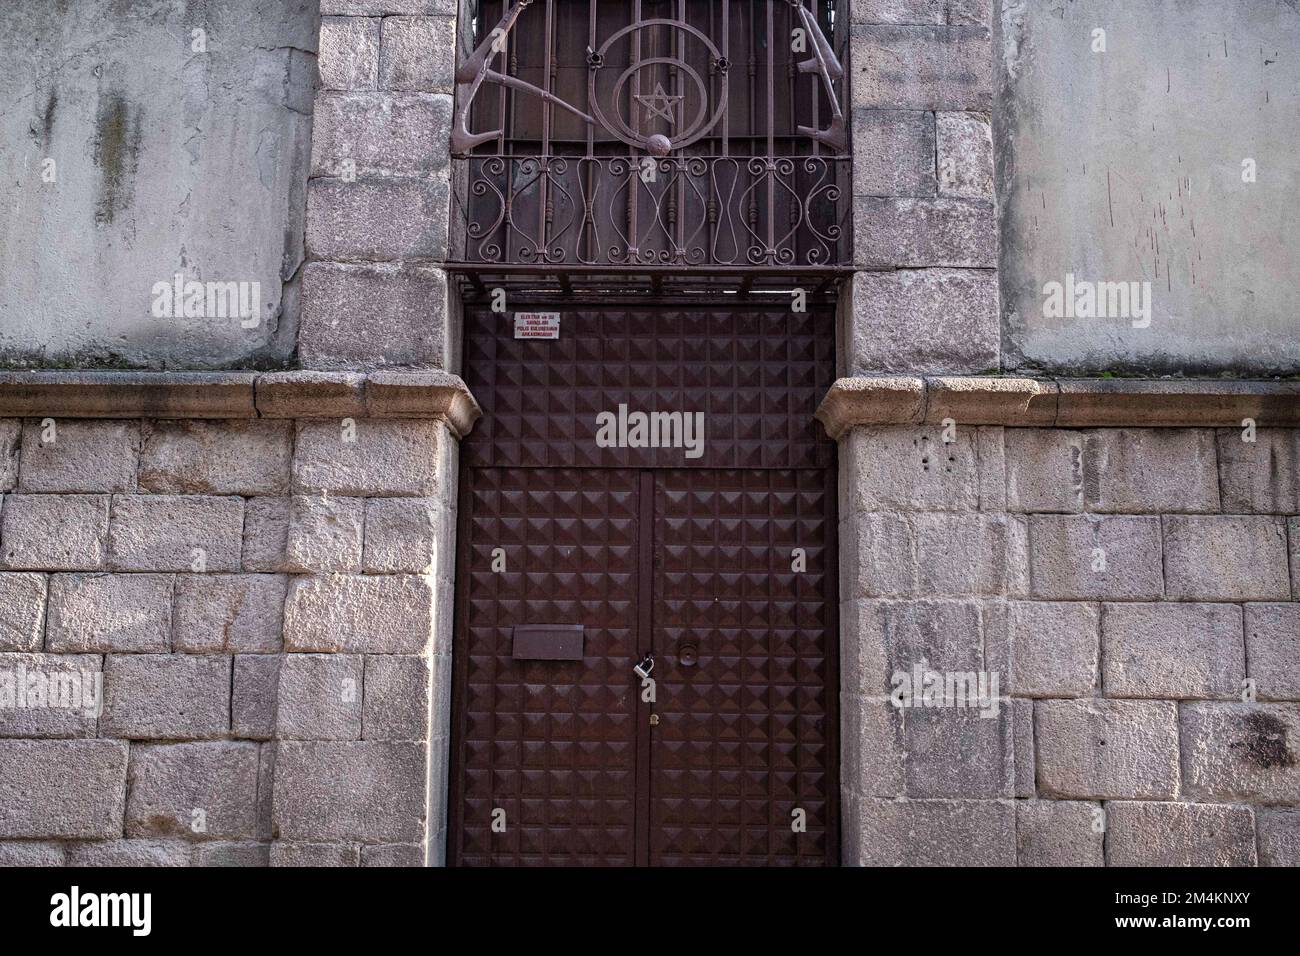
872	401
110	394
298	394
1065	403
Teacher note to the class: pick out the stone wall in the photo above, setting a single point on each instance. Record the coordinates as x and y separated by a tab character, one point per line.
925	219
267	603
1125	584
377	201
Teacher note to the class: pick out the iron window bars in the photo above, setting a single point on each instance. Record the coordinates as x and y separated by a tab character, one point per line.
654	137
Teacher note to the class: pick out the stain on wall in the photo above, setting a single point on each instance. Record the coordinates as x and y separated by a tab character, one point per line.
1150	143
141	140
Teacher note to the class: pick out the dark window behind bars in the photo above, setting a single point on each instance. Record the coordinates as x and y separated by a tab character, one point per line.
682	133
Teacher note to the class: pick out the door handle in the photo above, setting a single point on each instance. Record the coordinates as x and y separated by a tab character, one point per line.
645	667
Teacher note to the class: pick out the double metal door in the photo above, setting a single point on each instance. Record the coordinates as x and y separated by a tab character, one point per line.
645	657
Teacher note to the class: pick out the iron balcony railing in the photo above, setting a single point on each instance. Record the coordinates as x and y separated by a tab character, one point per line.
685	211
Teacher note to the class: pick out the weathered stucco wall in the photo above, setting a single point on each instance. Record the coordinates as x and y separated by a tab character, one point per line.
1127	165
172	151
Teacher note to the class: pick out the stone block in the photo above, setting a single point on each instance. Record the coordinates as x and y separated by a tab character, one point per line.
382	134
1151	470
1240	753
232	854
397	697
1059	833
393	854
1263	476
62	789
919	233
1273	650
110	613
319	697
22	611
922	67
325	533
894	637
377	219
933	833
893	153
204	791
229	613
418	53
920	11
31	853
924	320
911	469
1226	558
402	535
384	614
964	150
1054	648
315	854
253	696
166	697
395	458
348	55
176	533
1086	557
73	456
943	555
374	315
1096	749
1045	469
378	8
50	695
54	532
871	746
194	457
11	431
959	752
1279	837
1173	651
355	790
1179	834
266	534
130	853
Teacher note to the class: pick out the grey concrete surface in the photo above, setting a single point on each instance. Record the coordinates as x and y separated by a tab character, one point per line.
1127	166
167	160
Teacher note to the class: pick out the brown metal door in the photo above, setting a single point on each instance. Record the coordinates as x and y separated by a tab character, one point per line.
722	568
547	748
744	622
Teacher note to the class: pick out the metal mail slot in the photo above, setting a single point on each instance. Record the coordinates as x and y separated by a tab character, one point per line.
547	642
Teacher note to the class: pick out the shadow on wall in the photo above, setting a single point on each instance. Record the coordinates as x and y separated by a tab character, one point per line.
153	172
1147	172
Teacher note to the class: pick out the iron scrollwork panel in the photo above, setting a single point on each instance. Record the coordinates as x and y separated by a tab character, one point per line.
686	211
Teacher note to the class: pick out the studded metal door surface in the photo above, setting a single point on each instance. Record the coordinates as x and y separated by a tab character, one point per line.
718	565
742	760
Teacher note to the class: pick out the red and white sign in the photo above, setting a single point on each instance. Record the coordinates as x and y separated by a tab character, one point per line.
537	325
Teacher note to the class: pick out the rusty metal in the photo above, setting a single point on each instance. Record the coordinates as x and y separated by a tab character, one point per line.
689	133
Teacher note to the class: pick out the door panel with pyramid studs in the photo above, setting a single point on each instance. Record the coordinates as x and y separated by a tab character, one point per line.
645	646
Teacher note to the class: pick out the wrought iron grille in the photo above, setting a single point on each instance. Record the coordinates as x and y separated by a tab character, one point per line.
679	135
